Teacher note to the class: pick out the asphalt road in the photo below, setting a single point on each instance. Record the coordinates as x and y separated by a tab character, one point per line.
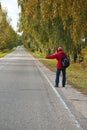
28	100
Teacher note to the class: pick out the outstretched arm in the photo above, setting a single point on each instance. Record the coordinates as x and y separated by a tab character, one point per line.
53	56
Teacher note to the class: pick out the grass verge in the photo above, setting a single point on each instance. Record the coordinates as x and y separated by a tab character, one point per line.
2	54
5	52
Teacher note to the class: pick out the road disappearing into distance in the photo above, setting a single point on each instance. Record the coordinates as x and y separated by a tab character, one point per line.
28	100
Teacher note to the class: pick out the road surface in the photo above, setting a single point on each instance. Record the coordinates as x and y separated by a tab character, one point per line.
28	99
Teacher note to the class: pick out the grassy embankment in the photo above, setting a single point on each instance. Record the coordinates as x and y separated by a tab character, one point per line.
2	54
5	52
76	73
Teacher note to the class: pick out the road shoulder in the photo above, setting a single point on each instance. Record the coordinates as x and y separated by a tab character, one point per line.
76	100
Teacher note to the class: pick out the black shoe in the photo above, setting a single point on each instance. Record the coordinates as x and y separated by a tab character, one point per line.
63	86
56	85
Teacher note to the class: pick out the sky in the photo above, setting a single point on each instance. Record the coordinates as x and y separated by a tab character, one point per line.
12	9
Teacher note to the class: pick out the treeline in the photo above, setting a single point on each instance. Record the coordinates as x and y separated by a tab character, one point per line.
52	23
8	37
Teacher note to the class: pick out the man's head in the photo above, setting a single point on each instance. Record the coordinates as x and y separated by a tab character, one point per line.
60	49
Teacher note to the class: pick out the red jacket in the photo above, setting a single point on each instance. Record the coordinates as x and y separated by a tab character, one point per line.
58	56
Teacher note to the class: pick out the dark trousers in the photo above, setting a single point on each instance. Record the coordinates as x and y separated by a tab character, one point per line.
63	76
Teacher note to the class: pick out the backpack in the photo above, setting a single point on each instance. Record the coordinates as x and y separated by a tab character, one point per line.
65	61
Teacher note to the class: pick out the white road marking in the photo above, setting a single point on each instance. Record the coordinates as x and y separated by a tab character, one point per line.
63	102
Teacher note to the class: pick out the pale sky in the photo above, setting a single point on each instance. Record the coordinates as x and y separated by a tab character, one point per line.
12	10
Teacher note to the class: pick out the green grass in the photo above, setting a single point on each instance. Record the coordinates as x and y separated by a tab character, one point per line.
5	52
76	73
2	54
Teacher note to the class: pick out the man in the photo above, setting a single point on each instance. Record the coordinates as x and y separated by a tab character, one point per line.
58	56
